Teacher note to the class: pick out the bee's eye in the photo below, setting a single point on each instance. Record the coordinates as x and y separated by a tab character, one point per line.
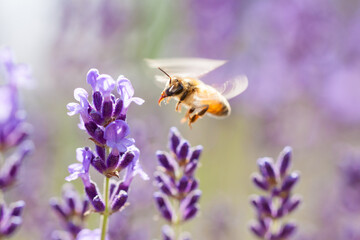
174	89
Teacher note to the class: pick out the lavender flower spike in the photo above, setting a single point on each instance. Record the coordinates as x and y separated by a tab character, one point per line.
72	210
115	153
14	133
176	181
278	184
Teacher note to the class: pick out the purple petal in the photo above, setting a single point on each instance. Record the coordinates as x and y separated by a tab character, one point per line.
137	100
91	78
80	94
105	84
115	134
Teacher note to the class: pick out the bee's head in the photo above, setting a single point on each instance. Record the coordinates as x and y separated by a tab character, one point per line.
173	88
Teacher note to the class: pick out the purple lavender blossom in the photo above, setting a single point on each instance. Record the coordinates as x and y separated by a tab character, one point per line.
176	181
14	132
10	218
216	24
115	153
72	209
278	182
350	182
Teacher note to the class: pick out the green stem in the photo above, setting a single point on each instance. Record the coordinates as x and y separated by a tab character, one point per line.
105	216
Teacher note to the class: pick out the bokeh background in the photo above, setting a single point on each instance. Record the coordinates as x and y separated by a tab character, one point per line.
302	59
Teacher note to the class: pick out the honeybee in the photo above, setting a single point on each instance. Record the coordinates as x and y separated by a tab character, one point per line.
183	84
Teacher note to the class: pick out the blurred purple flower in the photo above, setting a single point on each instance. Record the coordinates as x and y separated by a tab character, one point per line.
10	218
14	131
15	74
288	64
72	210
278	183
216	25
176	181
350	182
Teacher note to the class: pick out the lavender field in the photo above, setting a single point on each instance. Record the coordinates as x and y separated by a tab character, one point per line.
86	153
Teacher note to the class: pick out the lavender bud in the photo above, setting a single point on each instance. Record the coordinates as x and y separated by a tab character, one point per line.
92	191
99	136
17	208
284	160
194	185
258	230
91	128
97	100
72	228
260	183
190	212
164	206
183	183
99	165
14	167
118	108
126	159
286	231
183	150
269	168
290	181
112	187
100	152
119	201
166	184
195	155
166	189
85	207
194	198
293	204
112	161
98	203
13	224
166	213
174	139
164	161
107	110
191	167
265	205
121	187
71	203
96	117
56	206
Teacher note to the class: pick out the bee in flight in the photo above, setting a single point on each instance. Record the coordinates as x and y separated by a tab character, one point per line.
181	77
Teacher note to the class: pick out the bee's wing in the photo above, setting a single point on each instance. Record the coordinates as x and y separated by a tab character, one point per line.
161	80
234	87
185	67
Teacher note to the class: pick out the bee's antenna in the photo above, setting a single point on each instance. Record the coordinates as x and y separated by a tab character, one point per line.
165	73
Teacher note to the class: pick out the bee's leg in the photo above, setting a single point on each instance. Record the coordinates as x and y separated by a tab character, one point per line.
190	111
182	98
178	106
201	113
